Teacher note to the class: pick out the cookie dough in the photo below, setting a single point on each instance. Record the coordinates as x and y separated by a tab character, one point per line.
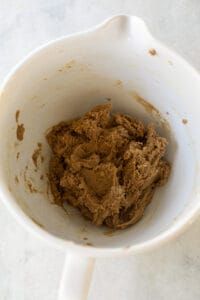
106	165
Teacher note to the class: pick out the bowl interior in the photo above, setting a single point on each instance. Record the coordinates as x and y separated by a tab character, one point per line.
66	79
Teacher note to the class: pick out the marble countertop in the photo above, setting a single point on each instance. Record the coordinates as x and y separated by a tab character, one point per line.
29	268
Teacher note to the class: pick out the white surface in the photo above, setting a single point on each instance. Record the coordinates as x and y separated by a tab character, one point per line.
30	269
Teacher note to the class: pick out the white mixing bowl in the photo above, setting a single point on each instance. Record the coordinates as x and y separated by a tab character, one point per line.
119	60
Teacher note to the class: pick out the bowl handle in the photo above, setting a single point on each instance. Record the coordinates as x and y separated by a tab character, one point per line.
76	278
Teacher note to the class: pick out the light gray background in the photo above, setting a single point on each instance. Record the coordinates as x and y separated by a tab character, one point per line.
29	268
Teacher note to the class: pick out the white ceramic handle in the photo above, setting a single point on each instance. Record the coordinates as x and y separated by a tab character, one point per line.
77	274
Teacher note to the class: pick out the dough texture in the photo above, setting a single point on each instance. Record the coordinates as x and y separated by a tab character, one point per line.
106	165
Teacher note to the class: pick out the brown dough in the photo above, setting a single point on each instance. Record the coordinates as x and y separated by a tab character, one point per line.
107	166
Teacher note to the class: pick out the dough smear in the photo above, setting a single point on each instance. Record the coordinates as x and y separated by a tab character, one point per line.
107	166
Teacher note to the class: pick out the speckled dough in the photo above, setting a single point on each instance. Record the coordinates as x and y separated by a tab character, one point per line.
107	165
